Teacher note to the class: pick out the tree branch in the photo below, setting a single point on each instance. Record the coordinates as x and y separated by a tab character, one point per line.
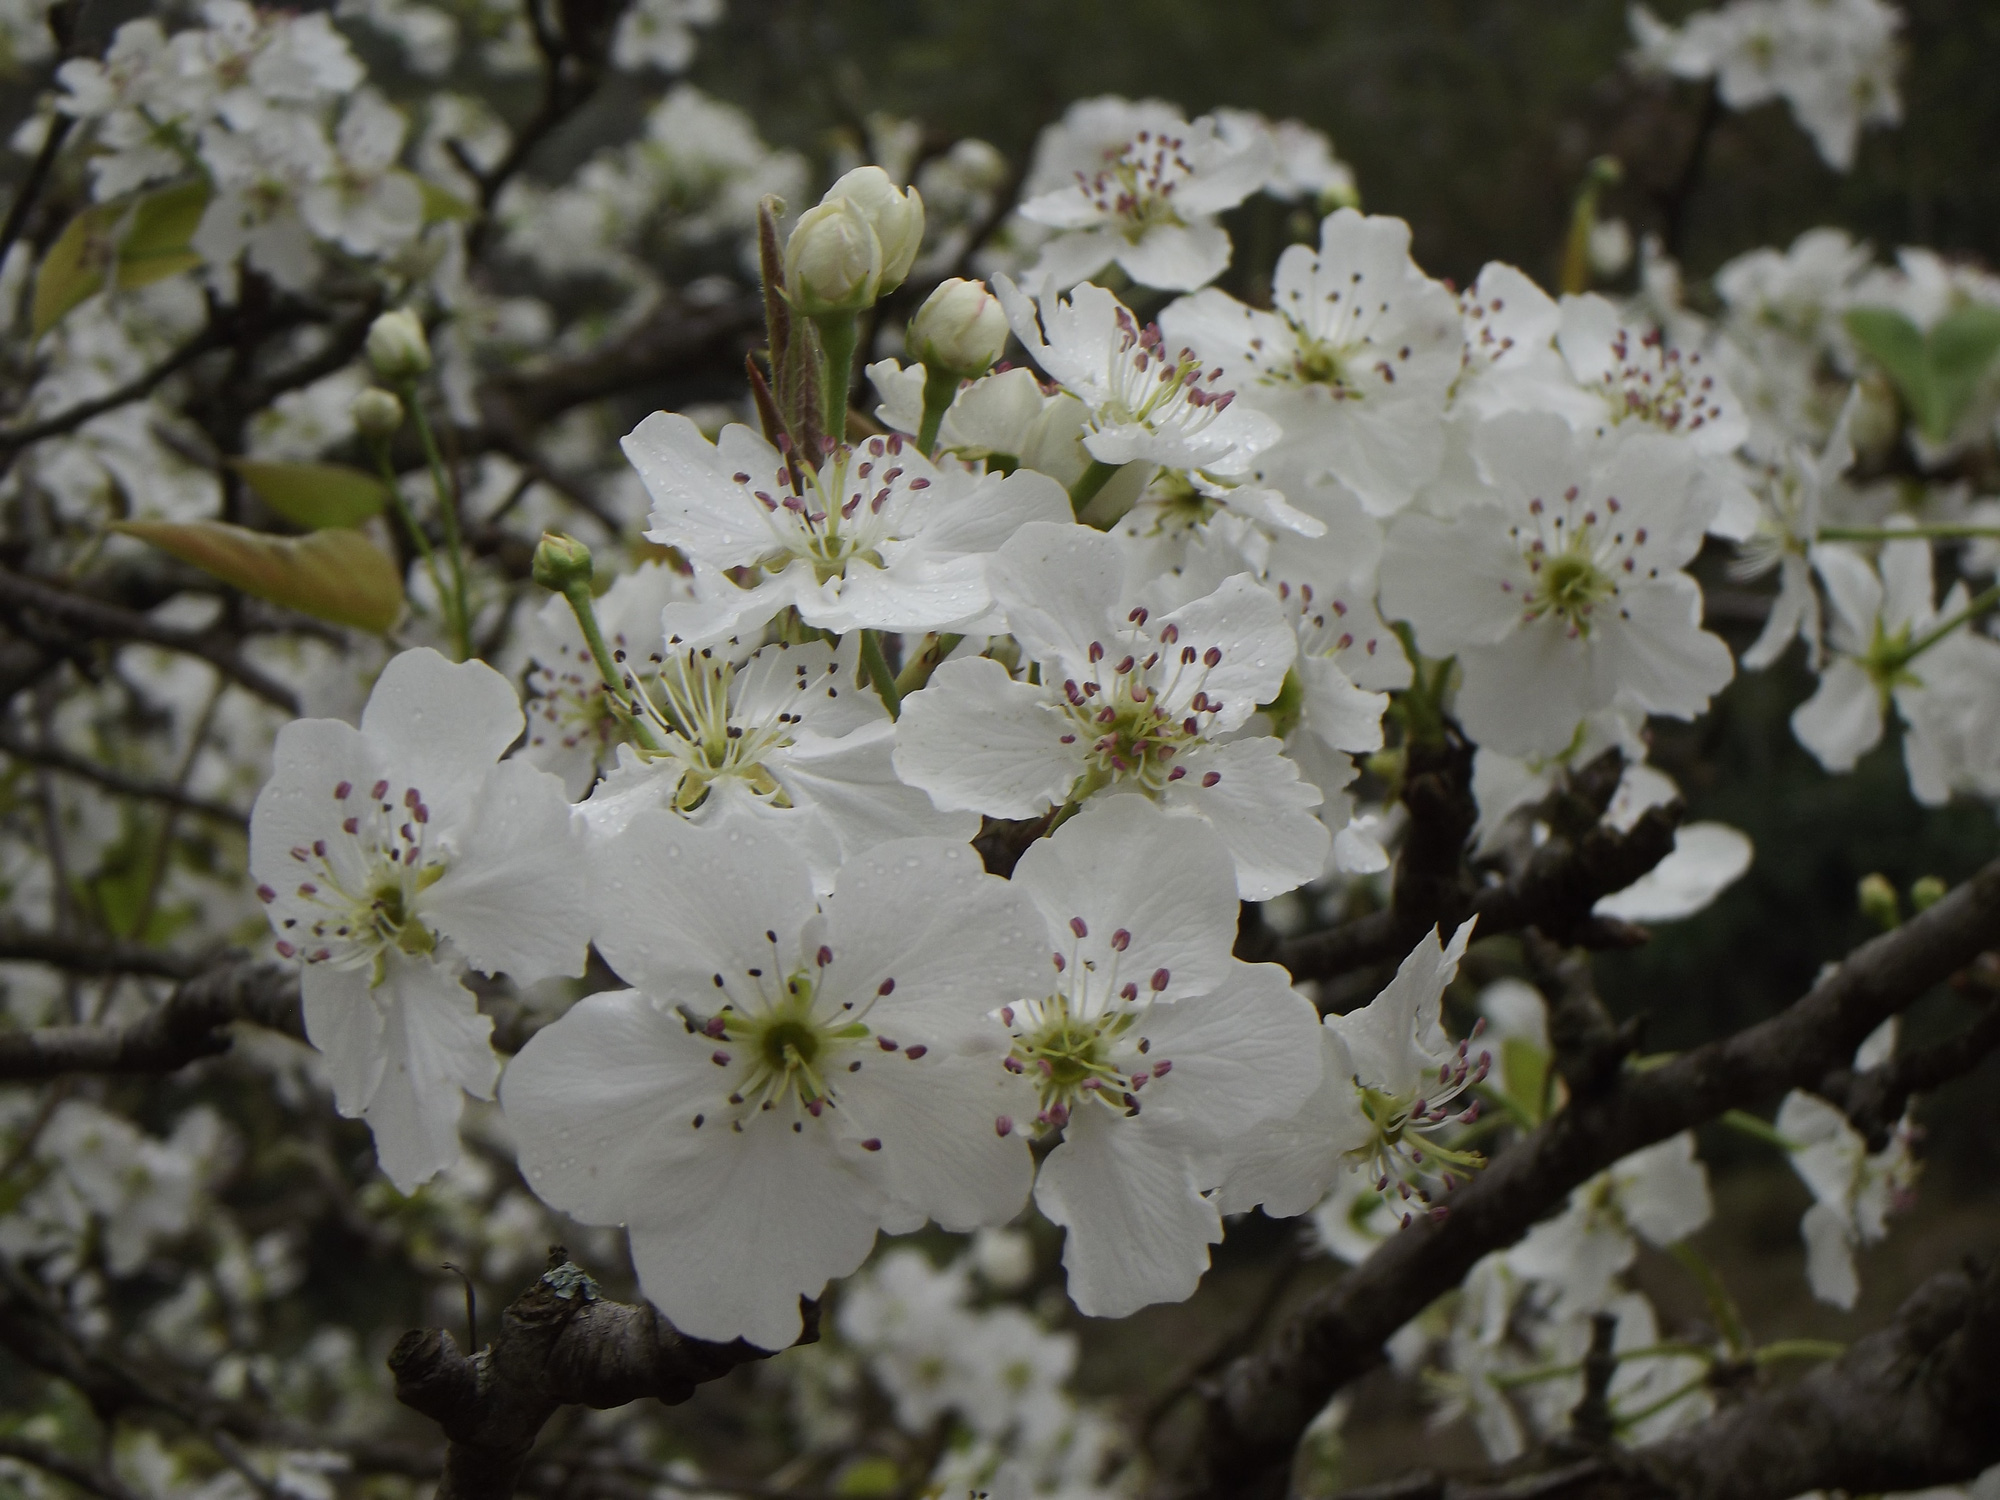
1252	1418
58	759
560	1344
191	1024
18	592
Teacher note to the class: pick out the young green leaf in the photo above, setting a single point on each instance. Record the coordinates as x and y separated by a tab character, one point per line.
1937	374
315	495
73	270
336	574
157	243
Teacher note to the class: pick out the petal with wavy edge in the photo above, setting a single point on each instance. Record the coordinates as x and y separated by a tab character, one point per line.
974	738
679	903
1139	1230
515	895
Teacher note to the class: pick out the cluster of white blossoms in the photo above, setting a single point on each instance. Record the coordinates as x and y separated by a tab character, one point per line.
866	834
1833	61
1139	612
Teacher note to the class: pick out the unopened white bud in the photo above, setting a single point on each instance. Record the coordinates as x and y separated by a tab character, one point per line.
961	329
377	413
397	347
833	261
896	216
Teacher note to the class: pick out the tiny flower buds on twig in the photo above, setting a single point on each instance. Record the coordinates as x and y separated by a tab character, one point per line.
378	414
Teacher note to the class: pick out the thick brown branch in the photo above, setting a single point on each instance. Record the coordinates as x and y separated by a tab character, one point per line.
1913	1405
560	1344
90	956
1553	893
191	1024
1875	1100
1252	1418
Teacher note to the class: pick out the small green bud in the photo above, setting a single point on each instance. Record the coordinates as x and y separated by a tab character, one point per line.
960	330
378	414
561	563
896	216
833	261
1927	892
397	347
1878	901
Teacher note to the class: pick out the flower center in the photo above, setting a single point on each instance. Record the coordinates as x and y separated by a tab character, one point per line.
837	513
701	733
1648	382
1403	1150
1083	1042
358	895
1137	186
1154	390
1569	585
1137	713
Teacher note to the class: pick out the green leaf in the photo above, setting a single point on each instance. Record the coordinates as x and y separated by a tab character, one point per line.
315	495
336	574
1937	374
157	245
129	243
440	204
73	270
1962	346
1525	1067
865	1478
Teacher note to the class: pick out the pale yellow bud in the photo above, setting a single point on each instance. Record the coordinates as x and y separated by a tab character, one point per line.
377	413
833	261
896	216
397	347
961	329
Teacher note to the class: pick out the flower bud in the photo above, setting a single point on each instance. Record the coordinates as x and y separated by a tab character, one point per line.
397	347
961	329
896	216
378	414
1926	892
561	563
833	262
1878	903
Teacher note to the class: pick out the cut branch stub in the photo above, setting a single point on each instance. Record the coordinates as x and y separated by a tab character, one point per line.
560	1344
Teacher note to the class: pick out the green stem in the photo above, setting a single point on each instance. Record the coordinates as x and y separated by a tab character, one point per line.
1942	531
1507	1380
584	607
1727	1318
940	389
448	511
408	517
877	666
837	335
917	671
1089	482
1628	1420
1983	604
1748	1124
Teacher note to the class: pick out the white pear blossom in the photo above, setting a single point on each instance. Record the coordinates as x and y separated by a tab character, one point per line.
788	1077
875	537
1127	700
660	33
365	204
1389	1092
1890	643
572	730
1833	61
1354	360
1561	593
779	734
1144	404
1004	416
1659	1195
1793	500
387	855
1303	165
1149	1046
1138	184
1854	1190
